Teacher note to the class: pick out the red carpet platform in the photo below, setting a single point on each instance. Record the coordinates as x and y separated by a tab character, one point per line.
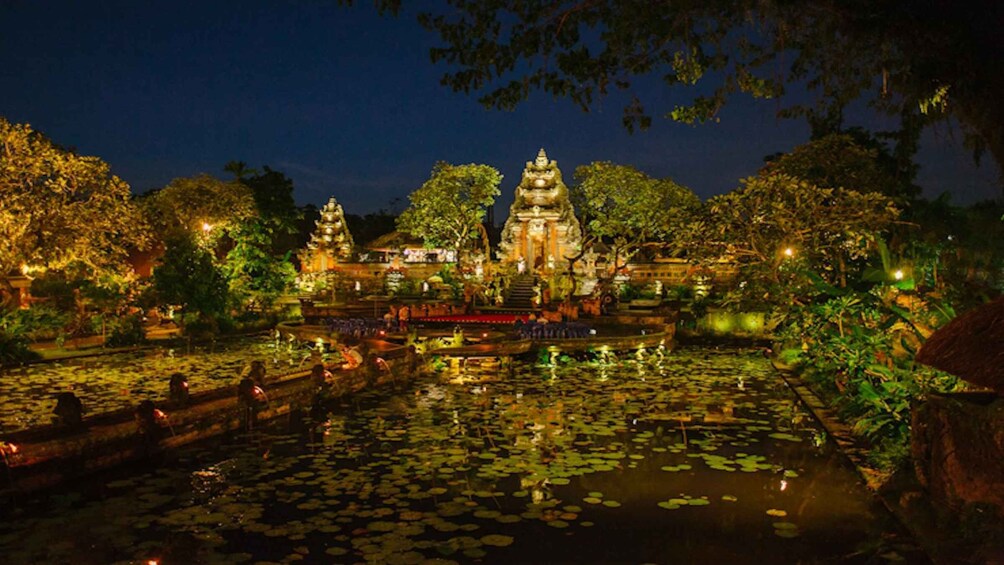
475	318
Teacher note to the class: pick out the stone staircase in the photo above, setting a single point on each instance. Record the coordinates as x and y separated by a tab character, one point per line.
521	292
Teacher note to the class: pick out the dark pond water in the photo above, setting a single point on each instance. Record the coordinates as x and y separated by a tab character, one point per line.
696	456
121	380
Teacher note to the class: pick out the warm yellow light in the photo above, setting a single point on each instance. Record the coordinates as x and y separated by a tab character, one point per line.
789	252
898	274
207	227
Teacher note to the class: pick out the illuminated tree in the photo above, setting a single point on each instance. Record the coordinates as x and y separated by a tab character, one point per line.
258	265
189	276
201	204
627	208
256	275
777	229
448	208
60	210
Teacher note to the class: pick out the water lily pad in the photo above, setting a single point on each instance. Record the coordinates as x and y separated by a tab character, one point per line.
497	540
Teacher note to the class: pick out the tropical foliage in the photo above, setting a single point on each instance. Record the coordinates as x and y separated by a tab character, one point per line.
858	347
60	211
843	160
200	204
447	210
189	276
628	209
914	61
775	228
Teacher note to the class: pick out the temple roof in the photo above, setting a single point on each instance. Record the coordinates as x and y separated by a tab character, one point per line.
394	240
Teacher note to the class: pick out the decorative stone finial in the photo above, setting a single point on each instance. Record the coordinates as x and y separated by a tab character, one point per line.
541	158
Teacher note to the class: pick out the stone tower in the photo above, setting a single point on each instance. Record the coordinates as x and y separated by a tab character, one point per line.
330	243
542	228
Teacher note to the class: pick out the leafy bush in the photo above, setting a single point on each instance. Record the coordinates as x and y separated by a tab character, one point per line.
13	341
629	292
409	287
125	331
858	349
42	322
199	327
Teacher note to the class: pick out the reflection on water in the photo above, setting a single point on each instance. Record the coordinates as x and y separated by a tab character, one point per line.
695	456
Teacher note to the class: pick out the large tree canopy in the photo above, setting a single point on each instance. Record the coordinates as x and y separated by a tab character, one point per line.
906	56
190	205
839	161
776	227
61	210
627	208
448	208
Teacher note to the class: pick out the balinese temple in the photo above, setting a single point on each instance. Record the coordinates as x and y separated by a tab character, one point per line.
330	243
542	228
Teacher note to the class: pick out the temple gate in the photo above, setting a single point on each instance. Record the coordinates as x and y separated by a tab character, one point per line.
542	228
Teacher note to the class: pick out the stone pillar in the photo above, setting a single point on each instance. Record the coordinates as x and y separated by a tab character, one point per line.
957	445
552	231
523	250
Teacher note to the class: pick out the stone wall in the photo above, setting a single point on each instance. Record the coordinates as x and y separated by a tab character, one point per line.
958	448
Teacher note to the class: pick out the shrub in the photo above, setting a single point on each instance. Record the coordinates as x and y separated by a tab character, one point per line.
125	331
13	341
42	322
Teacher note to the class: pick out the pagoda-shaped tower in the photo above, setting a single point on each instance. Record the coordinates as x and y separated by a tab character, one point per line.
542	228
330	243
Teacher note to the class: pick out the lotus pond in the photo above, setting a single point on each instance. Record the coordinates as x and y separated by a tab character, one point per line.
694	456
121	380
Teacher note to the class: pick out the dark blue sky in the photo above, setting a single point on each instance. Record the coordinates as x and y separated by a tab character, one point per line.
345	102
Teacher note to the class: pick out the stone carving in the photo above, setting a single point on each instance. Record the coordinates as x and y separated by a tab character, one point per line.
542	228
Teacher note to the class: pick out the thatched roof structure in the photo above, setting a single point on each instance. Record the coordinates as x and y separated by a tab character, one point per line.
394	240
971	346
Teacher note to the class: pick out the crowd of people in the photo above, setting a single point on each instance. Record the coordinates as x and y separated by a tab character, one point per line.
356	327
543	329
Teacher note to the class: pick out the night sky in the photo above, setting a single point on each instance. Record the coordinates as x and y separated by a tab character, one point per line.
346	103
